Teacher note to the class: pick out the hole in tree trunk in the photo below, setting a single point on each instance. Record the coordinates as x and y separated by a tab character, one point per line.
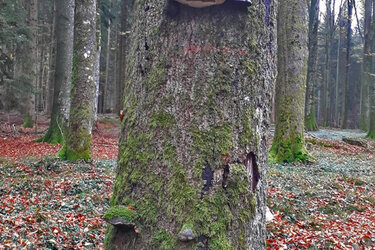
225	176
253	170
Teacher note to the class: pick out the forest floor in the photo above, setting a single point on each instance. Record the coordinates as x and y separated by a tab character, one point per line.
48	203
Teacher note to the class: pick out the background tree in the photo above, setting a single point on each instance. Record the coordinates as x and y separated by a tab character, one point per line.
366	67
79	133
371	132
312	67
288	144
193	150
346	94
63	72
325	94
27	69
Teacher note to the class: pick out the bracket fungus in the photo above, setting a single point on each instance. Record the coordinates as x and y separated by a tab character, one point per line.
121	216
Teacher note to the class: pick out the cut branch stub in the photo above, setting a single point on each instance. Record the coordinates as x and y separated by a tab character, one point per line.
207	3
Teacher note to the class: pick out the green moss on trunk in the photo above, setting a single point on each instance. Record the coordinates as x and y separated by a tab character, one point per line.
289	151
53	136
310	121
371	134
195	106
28	122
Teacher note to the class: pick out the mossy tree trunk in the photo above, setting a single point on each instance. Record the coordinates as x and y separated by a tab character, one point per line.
312	68
78	138
193	150
63	72
288	143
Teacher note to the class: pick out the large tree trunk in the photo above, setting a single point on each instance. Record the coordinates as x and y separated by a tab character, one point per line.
193	150
346	93
366	68
288	144
63	71
312	68
78	139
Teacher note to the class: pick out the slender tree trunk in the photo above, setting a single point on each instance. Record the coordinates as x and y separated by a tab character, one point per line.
337	81
29	64
366	68
121	57
52	62
288	144
78	139
63	72
106	88
371	132
312	68
96	64
327	76
346	94
193	150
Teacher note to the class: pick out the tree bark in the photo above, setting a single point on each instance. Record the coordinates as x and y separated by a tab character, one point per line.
97	64
288	144
312	68
366	68
29	64
63	72
193	150
78	139
327	74
120	83
52	61
371	132
346	94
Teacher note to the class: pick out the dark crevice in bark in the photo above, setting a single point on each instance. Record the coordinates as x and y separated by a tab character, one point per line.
146	45
225	176
207	175
267	3
252	165
202	243
141	70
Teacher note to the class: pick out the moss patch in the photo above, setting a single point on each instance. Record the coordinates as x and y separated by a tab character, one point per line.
121	212
164	240
310	121
288	150
371	134
53	135
28	122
